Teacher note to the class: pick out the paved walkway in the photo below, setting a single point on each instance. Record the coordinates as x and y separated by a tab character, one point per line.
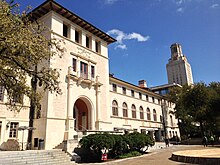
206	156
163	156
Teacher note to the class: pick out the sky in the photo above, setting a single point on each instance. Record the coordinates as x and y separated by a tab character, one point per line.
145	30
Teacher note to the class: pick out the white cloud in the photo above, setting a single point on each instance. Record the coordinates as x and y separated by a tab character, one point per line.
121	46
179	2
180	10
214	5
137	36
110	2
121	36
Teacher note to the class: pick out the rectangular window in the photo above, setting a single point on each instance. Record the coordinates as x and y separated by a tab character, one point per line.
93	71
65	30
133	114
2	89
74	64
18	98
114	87
13	130
77	36
147	98
84	70
124	90
140	95
88	40
153	99
132	93
97	46
141	114
159	101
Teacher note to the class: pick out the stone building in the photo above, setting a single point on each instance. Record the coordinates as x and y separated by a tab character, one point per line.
178	69
91	100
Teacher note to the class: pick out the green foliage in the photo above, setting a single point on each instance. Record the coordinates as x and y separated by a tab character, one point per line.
130	154
115	144
199	104
97	142
136	141
120	146
23	47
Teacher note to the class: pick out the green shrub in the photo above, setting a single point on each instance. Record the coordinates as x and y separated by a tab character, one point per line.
117	145
136	141
120	147
130	154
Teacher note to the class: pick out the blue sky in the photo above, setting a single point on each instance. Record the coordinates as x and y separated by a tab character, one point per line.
145	29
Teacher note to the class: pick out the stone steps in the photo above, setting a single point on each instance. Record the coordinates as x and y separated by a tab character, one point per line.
35	157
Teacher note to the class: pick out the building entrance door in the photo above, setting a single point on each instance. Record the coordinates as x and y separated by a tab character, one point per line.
81	115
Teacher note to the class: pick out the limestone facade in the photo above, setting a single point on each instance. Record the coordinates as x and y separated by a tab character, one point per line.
89	102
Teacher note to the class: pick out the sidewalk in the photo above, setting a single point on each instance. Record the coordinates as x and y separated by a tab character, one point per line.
207	156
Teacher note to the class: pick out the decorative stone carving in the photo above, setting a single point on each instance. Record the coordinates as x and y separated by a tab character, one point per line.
83	53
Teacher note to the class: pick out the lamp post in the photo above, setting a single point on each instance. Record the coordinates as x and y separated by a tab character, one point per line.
164	108
22	128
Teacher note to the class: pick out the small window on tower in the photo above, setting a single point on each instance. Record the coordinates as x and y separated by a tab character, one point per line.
77	36
65	30
88	41
97	46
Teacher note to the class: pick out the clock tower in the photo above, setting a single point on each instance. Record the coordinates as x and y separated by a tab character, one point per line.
178	69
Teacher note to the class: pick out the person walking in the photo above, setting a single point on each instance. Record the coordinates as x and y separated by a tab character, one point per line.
204	141
167	142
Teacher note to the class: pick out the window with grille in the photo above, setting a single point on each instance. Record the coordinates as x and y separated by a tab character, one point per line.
155	115
115	108
13	130
125	110
84	70
141	112
148	114
133	110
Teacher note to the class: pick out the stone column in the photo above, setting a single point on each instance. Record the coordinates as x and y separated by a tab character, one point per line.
69	118
97	104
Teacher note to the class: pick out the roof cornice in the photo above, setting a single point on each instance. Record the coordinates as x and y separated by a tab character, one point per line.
51	5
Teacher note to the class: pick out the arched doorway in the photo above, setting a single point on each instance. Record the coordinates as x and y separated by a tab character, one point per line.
82	115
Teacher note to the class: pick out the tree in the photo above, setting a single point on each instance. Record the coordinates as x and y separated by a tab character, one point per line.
23	46
196	105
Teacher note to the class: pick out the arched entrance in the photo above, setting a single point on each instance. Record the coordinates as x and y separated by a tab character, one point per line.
82	115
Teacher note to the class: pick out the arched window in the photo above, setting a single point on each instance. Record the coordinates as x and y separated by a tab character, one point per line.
141	112
114	108
171	120
148	114
133	110
125	109
155	115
